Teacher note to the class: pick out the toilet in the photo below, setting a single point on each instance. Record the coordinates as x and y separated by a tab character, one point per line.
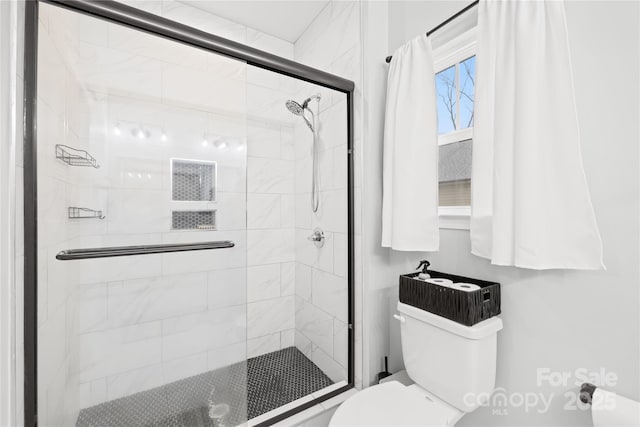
453	368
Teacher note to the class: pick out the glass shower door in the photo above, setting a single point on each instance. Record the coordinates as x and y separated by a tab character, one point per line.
141	228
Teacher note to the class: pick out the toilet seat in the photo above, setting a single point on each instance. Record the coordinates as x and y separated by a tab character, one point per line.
393	404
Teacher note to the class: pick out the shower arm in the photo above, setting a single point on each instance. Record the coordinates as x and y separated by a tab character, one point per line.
305	104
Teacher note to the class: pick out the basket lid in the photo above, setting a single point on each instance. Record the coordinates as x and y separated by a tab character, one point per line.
478	331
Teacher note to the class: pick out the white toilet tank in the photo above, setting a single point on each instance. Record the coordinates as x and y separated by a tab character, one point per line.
456	363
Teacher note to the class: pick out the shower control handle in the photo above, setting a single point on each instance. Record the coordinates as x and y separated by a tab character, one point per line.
317	237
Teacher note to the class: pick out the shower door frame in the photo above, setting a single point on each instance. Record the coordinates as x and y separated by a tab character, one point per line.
112	11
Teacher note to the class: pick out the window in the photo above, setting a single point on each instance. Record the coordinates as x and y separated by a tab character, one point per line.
455	89
455	65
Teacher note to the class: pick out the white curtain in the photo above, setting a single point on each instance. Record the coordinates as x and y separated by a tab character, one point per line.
530	202
410	169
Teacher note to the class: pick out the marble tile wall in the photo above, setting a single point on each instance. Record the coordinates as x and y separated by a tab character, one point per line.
269	182
270	213
331	43
113	327
59	122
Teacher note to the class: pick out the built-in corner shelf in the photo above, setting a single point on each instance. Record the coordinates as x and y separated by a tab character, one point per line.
84	213
74	157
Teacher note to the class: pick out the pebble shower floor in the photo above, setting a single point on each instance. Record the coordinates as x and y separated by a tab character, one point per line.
250	389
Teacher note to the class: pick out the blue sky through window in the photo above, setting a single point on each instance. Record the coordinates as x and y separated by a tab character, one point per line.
455	90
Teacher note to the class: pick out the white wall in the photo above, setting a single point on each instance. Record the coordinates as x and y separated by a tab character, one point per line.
562	320
11	248
11	222
381	267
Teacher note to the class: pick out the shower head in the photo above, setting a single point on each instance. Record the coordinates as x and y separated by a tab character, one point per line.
295	108
299	110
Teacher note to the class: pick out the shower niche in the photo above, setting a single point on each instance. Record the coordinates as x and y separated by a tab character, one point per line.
193	194
201	299
193	180
193	220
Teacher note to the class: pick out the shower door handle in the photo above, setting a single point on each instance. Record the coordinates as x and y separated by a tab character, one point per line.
73	254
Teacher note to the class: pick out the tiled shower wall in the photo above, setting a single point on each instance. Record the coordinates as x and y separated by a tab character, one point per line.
270	180
331	43
113	327
270	213
60	121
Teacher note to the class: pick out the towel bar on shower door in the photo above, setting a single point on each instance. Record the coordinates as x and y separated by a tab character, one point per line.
72	254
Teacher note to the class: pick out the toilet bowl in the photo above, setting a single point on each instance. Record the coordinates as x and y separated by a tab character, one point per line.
453	367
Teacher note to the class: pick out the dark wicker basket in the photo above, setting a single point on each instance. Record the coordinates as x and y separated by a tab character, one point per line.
467	308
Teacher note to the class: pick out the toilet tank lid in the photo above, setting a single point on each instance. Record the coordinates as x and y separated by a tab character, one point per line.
478	331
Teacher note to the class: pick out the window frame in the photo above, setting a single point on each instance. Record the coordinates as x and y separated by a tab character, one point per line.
449	54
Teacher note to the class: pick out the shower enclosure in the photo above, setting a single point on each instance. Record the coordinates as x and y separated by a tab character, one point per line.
176	272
